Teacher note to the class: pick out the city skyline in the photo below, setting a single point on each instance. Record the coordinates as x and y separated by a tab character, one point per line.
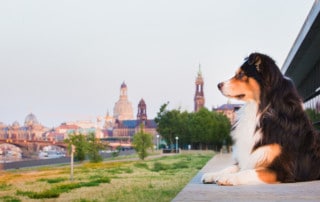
65	60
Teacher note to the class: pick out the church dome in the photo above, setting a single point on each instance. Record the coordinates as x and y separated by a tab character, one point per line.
15	124
31	119
123	108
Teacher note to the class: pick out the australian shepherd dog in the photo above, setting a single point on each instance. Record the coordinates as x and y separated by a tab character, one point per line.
274	140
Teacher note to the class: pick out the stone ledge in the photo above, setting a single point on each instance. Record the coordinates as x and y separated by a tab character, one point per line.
196	191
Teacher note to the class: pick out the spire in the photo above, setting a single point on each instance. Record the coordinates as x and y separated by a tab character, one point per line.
123	85
142	110
199	72
199	99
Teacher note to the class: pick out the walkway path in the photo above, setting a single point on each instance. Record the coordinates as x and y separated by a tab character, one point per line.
195	191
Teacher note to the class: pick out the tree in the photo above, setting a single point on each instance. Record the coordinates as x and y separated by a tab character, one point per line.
142	142
94	146
171	124
80	142
201	129
85	145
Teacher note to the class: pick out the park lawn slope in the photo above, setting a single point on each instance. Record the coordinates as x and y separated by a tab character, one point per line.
155	179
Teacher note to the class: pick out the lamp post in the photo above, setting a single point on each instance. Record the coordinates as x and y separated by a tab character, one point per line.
157	142
73	149
177	138
5	153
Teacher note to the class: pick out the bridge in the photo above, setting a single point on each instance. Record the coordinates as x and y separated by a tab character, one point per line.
31	146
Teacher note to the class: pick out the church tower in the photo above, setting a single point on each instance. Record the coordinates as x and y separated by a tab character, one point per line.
142	111
199	95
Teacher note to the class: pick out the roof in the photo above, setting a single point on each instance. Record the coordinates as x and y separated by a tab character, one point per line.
129	123
305	51
68	127
152	124
228	107
136	123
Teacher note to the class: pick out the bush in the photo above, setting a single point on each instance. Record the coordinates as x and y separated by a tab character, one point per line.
180	165
53	180
56	191
103	180
50	193
9	199
160	166
4	186
141	165
115	153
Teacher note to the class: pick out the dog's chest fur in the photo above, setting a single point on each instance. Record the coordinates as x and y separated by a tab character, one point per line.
245	135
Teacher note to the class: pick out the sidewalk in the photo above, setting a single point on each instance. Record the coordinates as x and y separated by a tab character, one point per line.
195	191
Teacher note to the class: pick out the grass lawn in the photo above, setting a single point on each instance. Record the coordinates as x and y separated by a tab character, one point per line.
158	178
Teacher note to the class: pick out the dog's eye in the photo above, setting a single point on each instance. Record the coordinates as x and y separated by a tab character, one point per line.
240	75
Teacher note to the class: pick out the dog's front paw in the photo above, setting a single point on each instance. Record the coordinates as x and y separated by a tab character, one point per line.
227	180
209	178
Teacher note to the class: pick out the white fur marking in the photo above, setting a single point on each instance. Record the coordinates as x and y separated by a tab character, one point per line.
245	135
212	177
243	177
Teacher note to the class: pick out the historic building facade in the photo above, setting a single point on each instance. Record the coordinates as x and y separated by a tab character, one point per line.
199	100
31	130
121	127
127	128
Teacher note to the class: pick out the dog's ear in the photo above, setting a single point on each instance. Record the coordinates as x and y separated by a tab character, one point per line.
255	59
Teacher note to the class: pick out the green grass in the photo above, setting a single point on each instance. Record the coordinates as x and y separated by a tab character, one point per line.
155	179
9	199
54	180
4	186
55	192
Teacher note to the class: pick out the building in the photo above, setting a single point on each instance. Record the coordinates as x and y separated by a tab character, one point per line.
123	108
229	110
127	128
120	132
199	100
302	64
31	130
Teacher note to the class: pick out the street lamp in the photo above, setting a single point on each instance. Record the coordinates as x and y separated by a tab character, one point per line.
157	142
177	138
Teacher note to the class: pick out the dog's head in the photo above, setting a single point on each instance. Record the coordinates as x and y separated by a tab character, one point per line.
258	73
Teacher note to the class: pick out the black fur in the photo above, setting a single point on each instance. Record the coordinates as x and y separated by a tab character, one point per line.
283	121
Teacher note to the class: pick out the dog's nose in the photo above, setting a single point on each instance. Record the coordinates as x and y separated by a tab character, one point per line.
220	85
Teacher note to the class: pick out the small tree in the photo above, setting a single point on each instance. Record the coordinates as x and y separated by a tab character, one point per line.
80	142
142	142
94	146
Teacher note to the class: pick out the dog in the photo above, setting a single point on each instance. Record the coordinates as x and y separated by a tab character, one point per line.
274	140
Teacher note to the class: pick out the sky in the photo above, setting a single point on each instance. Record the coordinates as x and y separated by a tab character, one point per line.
65	60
